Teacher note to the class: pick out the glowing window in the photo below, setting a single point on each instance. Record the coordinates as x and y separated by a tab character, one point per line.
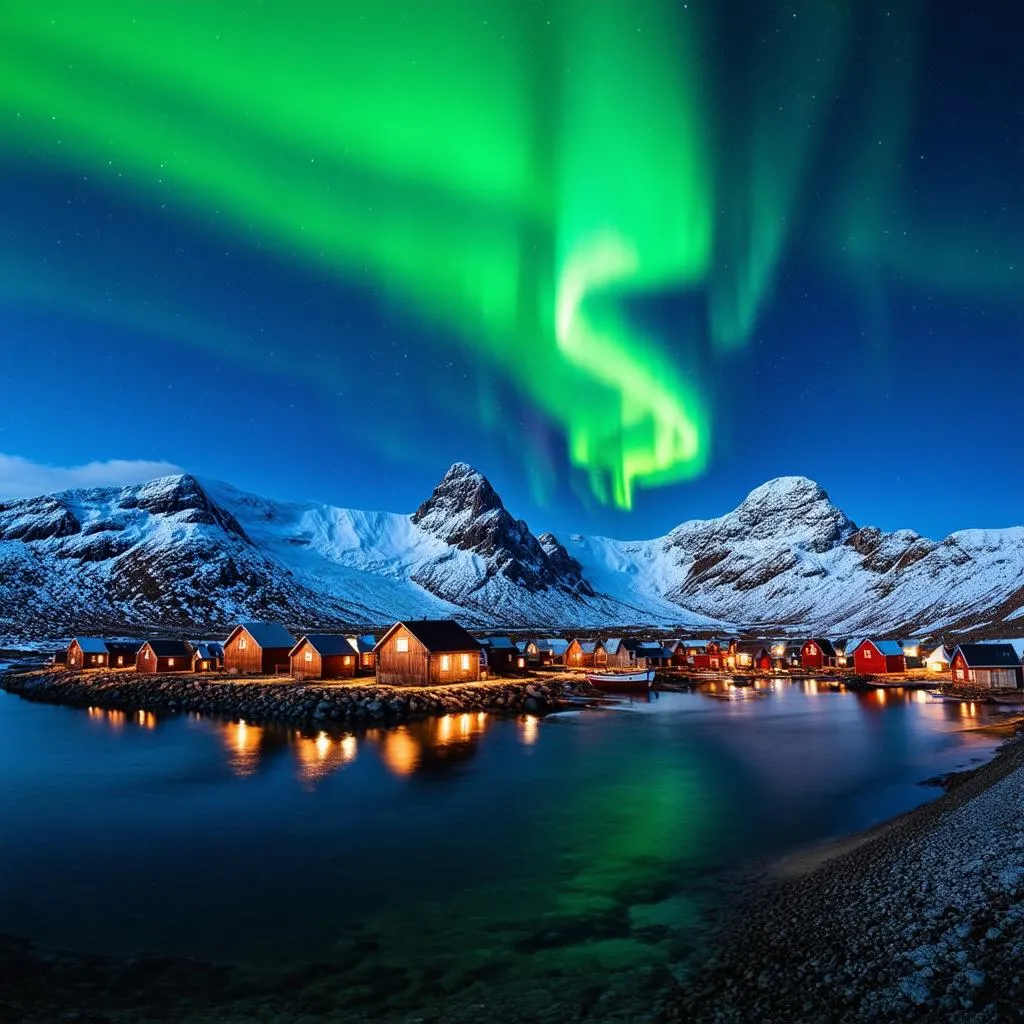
170	663
402	644
465	662
811	649
93	659
243	644
145	654
446	663
120	659
309	655
521	662
347	660
867	652
206	664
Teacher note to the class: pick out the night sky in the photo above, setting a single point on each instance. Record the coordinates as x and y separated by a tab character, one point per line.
630	259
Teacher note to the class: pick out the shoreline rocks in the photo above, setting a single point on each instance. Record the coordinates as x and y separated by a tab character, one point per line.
920	918
352	703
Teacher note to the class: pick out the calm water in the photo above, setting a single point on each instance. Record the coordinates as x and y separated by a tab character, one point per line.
570	853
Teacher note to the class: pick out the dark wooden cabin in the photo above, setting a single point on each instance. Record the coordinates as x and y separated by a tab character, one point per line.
995	666
817	654
503	657
613	653
87	652
426	652
121	654
208	657
258	648
159	656
323	656
752	654
878	657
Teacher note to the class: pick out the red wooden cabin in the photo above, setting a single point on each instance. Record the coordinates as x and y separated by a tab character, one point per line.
164	656
258	648
878	657
817	654
323	656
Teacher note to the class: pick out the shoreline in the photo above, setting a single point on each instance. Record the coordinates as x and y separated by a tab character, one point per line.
355	703
920	917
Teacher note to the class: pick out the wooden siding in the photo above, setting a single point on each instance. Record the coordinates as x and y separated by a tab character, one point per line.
869	661
418	667
993	678
78	659
252	659
620	659
812	656
334	666
575	657
146	661
211	664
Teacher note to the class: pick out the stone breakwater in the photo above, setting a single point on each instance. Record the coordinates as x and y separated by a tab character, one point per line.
919	920
355	703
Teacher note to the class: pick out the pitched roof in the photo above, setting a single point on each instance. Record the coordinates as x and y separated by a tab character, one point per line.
267	634
169	648
123	647
889	647
989	655
751	647
612	645
91	644
825	646
327	645
555	645
587	646
437	635
498	642
941	653
364	644
208	651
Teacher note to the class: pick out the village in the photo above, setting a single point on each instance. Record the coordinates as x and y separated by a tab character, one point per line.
430	653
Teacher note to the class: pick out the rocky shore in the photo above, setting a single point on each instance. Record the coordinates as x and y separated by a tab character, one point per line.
355	703
920	919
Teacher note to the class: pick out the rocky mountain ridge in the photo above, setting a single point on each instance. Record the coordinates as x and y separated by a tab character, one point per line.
178	553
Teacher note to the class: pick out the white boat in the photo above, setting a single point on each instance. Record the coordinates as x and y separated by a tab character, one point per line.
621	681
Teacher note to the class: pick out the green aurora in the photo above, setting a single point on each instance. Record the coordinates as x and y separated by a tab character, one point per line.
521	174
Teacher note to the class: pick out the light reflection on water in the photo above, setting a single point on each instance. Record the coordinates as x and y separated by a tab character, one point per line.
545	854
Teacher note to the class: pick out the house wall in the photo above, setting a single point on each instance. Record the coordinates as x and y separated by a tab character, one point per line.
74	655
869	661
331	667
212	664
247	660
575	657
77	658
621	659
418	667
811	655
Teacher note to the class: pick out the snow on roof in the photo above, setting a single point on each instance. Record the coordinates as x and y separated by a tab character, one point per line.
208	651
941	653
1017	644
498	642
91	644
555	645
612	644
169	648
888	647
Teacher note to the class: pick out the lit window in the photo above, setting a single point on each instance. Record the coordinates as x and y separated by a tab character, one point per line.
811	649
867	652
309	655
120	659
243	644
170	663
446	663
402	644
145	654
93	659
206	664
521	662
465	662
347	660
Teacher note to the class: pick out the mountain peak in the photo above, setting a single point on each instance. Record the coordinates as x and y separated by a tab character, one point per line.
462	492
787	488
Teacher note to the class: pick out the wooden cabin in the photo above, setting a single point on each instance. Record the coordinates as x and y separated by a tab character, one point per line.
86	652
995	666
323	656
207	657
364	645
159	656
752	654
502	656
817	654
546	651
121	654
708	655
427	652
258	648
580	654
616	654
878	657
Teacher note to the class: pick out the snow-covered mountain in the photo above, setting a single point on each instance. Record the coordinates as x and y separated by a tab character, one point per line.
177	553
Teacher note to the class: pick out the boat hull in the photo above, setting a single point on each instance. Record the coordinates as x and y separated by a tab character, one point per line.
622	682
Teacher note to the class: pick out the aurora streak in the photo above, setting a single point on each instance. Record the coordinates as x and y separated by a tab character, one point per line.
520	174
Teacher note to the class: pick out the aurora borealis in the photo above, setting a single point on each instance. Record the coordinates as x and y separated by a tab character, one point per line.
604	237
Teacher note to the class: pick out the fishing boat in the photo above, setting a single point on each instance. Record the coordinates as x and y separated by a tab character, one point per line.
622	682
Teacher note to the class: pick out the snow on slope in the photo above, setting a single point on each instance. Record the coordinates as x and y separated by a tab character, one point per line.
178	553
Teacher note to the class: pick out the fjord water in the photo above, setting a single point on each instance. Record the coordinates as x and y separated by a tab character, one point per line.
564	859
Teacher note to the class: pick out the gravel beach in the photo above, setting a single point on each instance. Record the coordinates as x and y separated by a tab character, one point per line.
919	919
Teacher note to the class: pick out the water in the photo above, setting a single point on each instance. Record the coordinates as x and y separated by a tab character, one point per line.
558	857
